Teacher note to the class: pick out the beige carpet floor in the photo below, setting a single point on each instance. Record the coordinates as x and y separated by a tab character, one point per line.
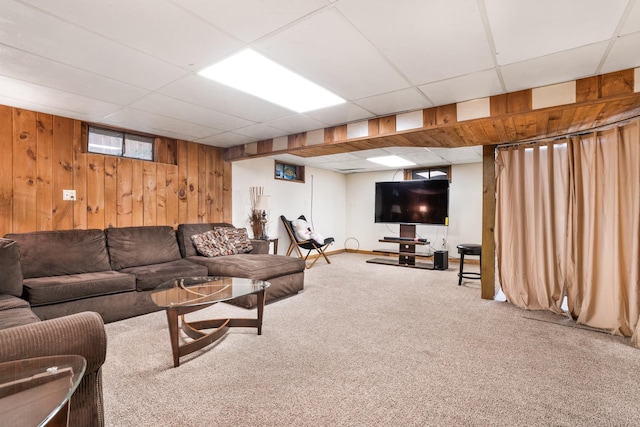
376	345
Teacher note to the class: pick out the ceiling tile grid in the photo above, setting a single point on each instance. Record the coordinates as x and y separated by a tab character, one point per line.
135	64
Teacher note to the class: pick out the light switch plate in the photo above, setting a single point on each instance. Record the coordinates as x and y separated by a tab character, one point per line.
68	194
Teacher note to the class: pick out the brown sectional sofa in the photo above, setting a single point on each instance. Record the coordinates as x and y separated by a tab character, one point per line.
286	274
58	287
23	336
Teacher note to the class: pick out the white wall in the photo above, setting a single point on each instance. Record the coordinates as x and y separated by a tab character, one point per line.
465	211
342	206
321	199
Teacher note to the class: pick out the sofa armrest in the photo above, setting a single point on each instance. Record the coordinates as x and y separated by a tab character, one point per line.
82	334
259	246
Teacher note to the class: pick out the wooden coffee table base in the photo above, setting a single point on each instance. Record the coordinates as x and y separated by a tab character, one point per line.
196	330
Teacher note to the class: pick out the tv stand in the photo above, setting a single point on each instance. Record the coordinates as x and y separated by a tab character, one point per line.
407	243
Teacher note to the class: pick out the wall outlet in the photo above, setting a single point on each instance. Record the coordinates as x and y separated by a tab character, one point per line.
68	194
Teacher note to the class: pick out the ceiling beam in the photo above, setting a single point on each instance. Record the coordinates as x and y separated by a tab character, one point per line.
530	114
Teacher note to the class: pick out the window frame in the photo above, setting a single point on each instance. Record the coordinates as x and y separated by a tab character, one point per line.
125	136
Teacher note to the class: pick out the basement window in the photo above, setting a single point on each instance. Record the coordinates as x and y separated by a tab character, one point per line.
118	143
440	172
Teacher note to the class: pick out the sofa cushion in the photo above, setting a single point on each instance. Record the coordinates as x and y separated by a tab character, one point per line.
55	289
252	266
15	312
185	231
11	280
144	245
238	238
58	253
151	276
213	243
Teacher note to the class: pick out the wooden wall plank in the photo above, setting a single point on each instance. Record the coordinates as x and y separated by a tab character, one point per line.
587	89
171	151
62	172
182	161
25	168
617	83
161	194
498	105
201	183
519	101
124	199
110	191
335	133
192	182
265	146
373	127
44	193
210	182
446	114
6	170
387	125
172	185
95	179
137	192
429	118
79	178
297	140
225	201
150	193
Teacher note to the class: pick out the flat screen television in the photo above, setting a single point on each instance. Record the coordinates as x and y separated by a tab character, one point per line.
413	202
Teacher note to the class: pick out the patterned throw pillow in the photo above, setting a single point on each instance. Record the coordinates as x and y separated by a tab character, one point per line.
238	238
213	243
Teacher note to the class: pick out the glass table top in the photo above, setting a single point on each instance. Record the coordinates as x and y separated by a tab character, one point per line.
194	291
32	391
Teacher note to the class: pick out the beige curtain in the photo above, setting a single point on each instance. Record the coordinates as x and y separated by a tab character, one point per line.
531	210
603	288
568	220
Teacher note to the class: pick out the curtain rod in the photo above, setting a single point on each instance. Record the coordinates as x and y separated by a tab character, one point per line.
567	135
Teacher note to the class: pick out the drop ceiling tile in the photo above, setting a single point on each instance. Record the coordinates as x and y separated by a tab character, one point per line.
624	54
296	124
260	132
227	139
526	29
46	109
34	69
551	69
131	118
395	102
327	50
171	107
147	26
198	90
632	24
427	40
22	29
250	20
464	88
340	114
458	155
54	98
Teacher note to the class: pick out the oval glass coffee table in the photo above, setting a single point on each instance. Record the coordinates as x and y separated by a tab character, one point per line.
188	294
38	391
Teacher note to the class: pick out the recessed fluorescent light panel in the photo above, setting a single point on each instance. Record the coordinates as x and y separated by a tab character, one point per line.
391	161
259	76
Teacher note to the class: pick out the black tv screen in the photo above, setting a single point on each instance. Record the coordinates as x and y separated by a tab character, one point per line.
413	202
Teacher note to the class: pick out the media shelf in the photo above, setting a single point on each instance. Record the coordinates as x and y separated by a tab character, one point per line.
406	250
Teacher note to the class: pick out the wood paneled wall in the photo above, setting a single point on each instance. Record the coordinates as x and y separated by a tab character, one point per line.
41	155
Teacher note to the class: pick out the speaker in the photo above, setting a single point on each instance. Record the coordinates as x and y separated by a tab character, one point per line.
441	260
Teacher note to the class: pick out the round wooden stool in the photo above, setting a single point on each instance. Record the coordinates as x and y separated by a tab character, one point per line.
468	249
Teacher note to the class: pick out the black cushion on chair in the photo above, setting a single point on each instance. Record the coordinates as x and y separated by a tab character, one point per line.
469	249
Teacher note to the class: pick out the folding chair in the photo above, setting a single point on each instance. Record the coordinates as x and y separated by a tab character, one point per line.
308	245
